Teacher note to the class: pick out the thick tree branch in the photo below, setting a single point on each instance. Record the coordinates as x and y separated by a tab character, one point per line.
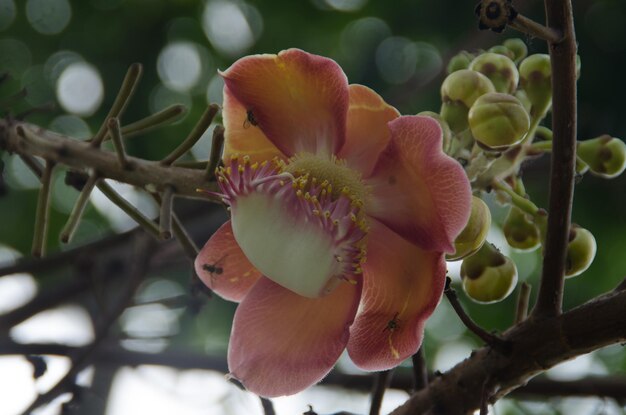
562	170
536	345
31	140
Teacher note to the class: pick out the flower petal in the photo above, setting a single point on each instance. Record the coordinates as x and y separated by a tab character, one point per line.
418	191
367	132
242	137
402	286
223	267
299	100
282	343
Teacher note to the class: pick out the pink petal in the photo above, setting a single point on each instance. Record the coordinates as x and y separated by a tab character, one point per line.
223	267
367	131
243	138
298	100
282	343
418	191
402	286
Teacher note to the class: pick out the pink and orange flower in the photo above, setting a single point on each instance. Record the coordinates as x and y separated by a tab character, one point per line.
341	213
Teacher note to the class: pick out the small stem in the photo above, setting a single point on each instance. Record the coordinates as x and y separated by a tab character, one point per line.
116	135
420	371
187	244
216	151
121	101
129	209
491	339
517	200
201	126
381	383
268	406
165	218
42	215
79	208
153	121
523	299
33	164
530	27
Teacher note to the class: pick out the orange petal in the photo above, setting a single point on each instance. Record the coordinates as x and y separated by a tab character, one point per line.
241	136
282	343
297	99
367	131
402	286
417	190
223	267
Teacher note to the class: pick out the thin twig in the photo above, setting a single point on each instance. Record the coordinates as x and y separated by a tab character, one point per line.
491	339
521	311
42	216
420	371
165	217
201	126
216	152
33	164
268	406
530	27
563	161
145	222
116	136
129	84
381	382
153	121
79	208
140	259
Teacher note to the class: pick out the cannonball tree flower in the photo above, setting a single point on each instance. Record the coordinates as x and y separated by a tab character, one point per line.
341	212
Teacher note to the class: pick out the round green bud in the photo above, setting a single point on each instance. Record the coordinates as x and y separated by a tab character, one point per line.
543	133
520	231
445	128
500	70
459	91
605	155
498	121
581	250
474	234
535	78
488	275
459	61
517	47
501	50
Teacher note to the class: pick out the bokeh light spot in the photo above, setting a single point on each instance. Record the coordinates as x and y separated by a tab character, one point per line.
396	58
16	56
231	27
7	13
179	66
79	89
48	17
346	5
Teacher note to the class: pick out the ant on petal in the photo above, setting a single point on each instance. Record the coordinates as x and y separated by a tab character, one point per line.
393	324
215	268
250	120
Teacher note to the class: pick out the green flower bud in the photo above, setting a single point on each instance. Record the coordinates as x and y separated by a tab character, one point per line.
543	133
488	276
445	128
459	61
474	234
500	70
501	50
520	231
581	250
517	47
458	92
498	121
535	78
605	155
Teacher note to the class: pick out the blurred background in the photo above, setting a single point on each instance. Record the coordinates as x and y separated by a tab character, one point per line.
75	54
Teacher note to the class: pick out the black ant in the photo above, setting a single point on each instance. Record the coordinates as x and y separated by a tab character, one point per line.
214	269
250	120
393	324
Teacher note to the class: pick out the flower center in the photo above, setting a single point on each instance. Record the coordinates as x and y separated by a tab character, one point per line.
301	223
